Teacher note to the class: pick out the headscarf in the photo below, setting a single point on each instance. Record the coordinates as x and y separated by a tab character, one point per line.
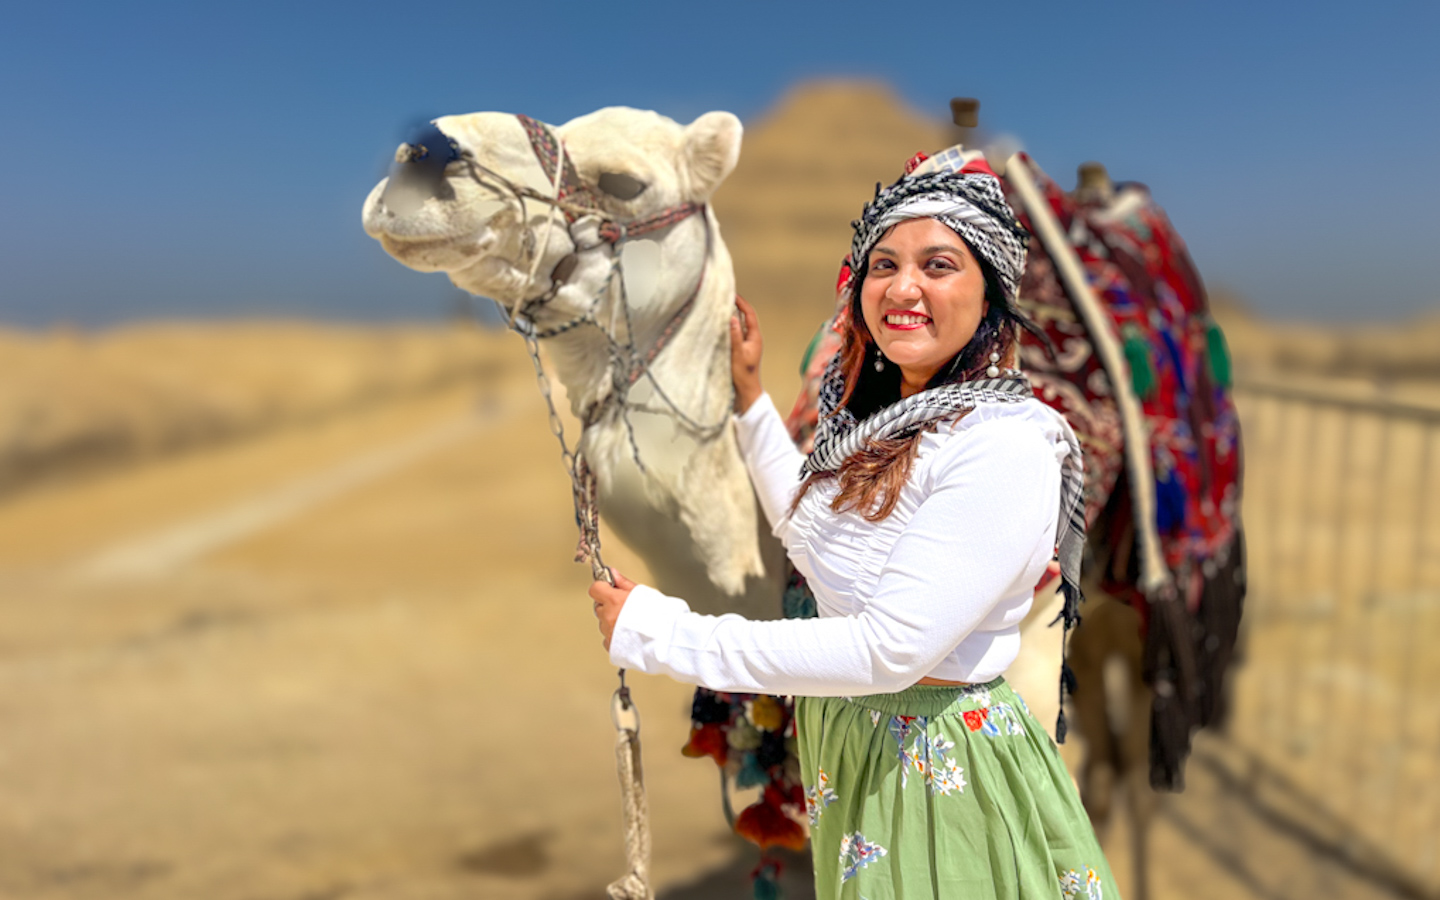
968	199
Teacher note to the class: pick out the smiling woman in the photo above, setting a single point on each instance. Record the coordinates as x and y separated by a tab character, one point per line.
936	497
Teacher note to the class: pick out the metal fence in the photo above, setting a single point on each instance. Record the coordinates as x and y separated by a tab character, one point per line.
1337	703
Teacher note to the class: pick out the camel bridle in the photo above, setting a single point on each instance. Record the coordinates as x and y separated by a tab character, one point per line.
575	200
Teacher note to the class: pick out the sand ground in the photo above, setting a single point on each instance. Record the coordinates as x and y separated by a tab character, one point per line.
353	660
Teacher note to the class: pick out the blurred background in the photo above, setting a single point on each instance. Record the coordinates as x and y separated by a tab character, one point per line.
286	607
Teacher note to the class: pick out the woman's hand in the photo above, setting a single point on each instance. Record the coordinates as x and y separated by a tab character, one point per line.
745	347
609	600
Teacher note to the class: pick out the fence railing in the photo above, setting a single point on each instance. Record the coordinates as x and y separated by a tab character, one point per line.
1338	697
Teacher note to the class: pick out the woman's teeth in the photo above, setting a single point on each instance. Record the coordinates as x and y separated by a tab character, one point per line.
901	319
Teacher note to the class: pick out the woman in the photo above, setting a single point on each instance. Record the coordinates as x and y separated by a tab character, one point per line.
936	496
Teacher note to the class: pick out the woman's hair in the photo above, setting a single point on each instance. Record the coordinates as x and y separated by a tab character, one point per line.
871	478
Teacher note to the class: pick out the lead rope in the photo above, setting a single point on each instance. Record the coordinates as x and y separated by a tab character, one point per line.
635	883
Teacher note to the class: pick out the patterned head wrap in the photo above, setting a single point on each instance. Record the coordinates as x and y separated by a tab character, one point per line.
969	200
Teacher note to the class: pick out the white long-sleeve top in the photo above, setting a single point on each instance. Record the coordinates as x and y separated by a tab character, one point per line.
938	588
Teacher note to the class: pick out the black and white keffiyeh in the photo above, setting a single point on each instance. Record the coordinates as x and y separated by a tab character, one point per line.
838	435
971	203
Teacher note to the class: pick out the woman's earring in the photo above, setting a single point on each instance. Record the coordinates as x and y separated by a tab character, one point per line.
879	361
994	370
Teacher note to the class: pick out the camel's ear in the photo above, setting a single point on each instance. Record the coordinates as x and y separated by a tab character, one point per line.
712	147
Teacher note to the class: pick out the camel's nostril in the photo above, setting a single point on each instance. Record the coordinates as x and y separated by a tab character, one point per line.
428	147
418	172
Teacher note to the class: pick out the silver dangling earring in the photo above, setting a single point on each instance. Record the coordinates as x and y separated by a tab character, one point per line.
879	361
994	370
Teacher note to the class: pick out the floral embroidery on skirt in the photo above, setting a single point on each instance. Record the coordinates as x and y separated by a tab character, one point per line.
942	792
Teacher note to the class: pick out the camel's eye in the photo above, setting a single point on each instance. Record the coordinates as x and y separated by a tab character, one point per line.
621	186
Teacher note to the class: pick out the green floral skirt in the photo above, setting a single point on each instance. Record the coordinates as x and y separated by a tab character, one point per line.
943	792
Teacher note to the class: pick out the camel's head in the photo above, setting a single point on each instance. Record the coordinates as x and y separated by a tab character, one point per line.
466	197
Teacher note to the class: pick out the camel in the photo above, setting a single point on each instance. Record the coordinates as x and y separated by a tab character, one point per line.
473	205
595	237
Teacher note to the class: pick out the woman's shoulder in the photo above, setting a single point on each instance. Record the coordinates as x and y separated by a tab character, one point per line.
997	434
1027	416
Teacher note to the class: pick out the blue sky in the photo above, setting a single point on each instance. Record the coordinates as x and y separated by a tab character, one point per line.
192	159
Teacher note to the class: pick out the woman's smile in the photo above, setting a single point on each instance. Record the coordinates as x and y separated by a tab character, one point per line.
906	321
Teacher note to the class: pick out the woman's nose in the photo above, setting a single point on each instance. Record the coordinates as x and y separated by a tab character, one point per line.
904	286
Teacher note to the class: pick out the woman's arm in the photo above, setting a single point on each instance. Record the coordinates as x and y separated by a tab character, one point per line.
770	457
985	531
769	453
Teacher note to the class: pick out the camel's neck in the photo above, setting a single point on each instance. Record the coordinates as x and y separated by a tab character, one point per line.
670	477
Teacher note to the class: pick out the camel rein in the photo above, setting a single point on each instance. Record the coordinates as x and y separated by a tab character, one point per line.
575	200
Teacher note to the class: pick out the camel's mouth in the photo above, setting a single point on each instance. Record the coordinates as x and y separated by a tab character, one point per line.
436	252
432	235
400	209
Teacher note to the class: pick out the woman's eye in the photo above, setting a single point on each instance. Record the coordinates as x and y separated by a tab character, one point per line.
621	186
940	263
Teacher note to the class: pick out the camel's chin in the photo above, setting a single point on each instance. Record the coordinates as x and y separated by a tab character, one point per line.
497	278
441	254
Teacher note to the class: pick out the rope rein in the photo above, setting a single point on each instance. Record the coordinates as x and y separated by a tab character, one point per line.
568	195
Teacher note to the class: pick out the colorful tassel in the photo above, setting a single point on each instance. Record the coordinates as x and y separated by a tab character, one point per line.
1170	501
707	740
765	824
797	602
1168	666
709	708
771	751
743	735
791	768
1142	367
751	773
1219	355
767	712
810	351
765	879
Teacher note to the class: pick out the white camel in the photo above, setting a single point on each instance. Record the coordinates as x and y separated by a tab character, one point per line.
476	209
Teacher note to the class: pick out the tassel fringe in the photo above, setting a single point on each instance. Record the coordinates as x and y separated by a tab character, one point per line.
1142	368
1169	668
1219	355
1070	615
